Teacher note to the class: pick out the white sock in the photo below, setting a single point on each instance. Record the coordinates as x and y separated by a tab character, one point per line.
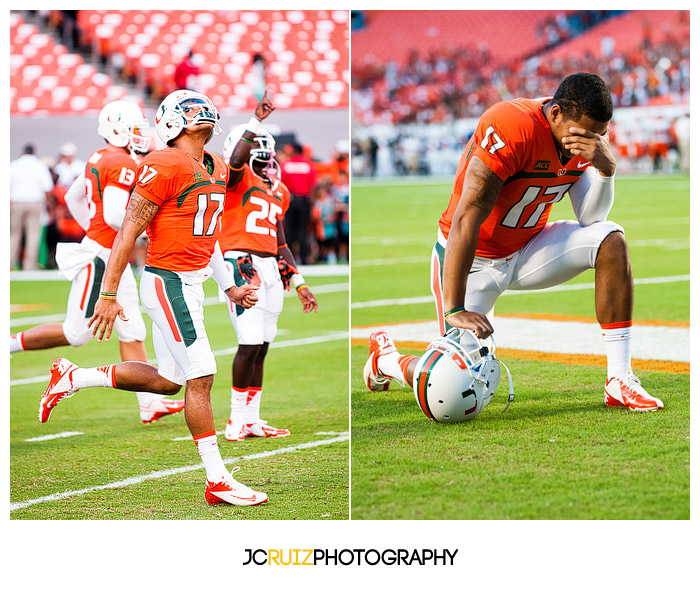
238	404
208	449
17	342
618	342
253	405
95	377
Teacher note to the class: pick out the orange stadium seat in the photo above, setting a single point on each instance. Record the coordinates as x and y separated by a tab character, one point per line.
46	78
391	35
153	42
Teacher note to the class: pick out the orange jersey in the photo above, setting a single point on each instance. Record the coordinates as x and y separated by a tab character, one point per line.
252	212
184	231
108	166
514	140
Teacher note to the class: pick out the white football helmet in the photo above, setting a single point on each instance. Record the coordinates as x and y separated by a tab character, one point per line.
457	376
122	124
262	150
182	109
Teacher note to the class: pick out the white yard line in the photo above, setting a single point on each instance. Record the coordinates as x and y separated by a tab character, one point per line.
318	270
653	343
51	318
135	480
220	353
658	280
55	436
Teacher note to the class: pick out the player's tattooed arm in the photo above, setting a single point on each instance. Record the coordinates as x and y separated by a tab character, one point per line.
480	192
140	212
482	187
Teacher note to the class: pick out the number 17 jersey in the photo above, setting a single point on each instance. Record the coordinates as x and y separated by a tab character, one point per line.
514	140
190	194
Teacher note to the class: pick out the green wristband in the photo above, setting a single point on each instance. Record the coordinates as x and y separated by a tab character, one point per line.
454	310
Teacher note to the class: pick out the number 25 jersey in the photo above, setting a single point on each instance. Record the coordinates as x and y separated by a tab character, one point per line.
190	194
253	209
514	140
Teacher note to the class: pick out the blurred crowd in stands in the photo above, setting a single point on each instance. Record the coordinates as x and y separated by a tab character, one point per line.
317	224
392	102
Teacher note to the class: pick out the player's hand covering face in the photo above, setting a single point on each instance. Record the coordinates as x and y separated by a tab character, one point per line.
592	146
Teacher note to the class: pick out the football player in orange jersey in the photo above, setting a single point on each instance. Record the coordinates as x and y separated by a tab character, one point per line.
524	156
98	200
177	200
255	249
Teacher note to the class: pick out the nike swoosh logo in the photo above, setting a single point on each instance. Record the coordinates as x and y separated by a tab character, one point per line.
222	175
582	164
236	496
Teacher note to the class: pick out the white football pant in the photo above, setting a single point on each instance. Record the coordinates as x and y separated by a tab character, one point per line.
558	253
258	324
175	303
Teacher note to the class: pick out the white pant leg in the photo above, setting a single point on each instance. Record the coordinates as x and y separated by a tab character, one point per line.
561	251
167	366
176	307
134	329
486	281
258	324
84	291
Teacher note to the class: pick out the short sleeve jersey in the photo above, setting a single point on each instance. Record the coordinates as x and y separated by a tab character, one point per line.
252	212
190	194
107	166
514	140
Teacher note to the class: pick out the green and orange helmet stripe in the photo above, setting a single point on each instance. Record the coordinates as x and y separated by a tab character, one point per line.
422	381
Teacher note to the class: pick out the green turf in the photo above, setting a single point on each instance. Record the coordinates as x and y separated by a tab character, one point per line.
308	398
398	224
558	452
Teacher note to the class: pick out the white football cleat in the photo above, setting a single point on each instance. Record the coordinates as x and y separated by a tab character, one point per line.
159	407
60	387
380	343
230	491
629	393
235	430
261	429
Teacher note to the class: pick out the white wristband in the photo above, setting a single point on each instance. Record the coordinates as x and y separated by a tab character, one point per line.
253	125
297	280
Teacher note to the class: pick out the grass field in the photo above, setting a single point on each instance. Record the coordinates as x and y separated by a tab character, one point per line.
558	452
118	468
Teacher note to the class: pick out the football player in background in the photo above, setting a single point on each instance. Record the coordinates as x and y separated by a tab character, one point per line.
178	198
525	155
97	200
255	249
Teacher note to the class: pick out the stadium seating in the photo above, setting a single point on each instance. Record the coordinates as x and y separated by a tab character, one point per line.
45	78
390	35
307	51
653	26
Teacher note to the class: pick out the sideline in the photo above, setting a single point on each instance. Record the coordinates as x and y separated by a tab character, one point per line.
135	480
